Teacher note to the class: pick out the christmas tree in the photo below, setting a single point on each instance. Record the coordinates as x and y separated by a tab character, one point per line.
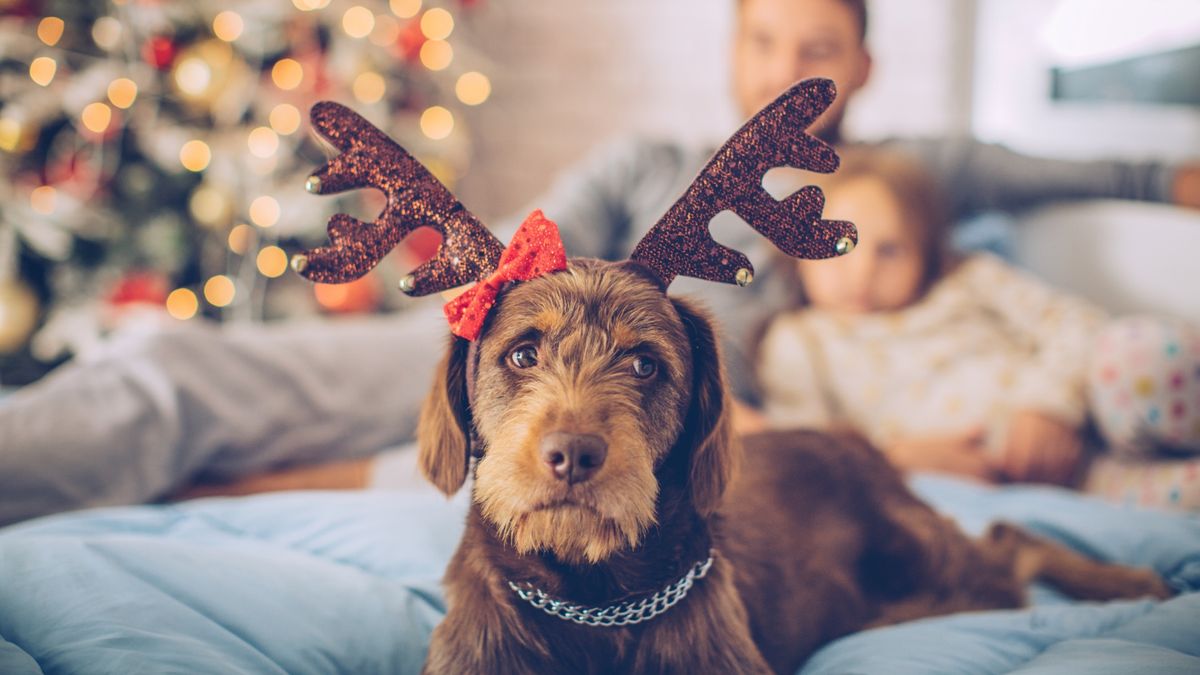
155	153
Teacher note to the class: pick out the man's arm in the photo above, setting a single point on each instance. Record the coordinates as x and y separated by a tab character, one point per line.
980	177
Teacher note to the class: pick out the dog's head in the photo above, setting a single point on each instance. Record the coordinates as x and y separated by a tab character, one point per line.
585	391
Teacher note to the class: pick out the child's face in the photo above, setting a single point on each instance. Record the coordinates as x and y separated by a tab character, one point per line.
885	270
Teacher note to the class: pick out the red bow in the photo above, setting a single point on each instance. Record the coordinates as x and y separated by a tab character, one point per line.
535	249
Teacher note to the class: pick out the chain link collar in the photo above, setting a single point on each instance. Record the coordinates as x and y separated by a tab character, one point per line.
624	614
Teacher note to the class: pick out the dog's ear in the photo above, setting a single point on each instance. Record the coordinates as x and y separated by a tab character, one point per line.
707	429
445	424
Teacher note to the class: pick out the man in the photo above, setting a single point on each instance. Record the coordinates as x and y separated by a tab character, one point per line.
141	424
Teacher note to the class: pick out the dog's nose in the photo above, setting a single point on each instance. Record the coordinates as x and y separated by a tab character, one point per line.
573	457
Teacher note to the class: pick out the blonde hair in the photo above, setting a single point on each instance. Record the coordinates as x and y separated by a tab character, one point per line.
922	203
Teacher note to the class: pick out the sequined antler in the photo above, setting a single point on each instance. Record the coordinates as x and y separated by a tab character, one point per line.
414	199
680	243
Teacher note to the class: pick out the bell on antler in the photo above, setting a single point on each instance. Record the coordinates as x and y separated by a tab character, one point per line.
680	243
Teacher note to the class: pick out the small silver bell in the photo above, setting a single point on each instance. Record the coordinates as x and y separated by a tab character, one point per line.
299	262
844	245
313	185
408	283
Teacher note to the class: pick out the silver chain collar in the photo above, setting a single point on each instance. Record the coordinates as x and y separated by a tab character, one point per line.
624	614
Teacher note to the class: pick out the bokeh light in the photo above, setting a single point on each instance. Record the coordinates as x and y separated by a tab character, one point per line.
239	238
369	87
42	69
210	205
50	30
193	76
271	261
436	54
122	92
106	32
96	117
263	142
264	211
405	9
473	88
287	74
43	198
387	30
285	118
228	25
437	122
195	155
437	24
182	304
358	22
219	290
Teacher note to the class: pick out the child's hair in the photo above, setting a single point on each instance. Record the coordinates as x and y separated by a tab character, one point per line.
922	203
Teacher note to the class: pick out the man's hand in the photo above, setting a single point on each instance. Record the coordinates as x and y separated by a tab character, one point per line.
1040	449
962	454
1185	190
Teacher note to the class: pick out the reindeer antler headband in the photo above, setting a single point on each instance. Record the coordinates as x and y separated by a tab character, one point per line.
679	244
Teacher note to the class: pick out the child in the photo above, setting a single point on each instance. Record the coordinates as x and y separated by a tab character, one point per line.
960	365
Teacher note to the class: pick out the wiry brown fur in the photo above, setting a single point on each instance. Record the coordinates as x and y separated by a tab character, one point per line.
815	537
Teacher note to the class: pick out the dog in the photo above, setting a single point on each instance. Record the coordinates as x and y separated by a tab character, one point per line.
618	525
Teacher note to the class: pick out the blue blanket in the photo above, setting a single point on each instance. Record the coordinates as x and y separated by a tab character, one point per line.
348	583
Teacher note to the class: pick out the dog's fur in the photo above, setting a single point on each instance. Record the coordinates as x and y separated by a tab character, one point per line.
815	537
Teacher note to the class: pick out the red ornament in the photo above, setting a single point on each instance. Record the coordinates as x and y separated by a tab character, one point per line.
139	287
159	51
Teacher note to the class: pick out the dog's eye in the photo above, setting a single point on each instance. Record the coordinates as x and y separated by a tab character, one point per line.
644	366
524	357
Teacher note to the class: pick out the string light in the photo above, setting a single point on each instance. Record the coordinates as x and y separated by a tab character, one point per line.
437	122
264	211
239	238
219	290
182	304
437	24
271	261
193	76
473	88
42	199
122	92
209	206
287	74
405	9
263	142
369	87
106	32
228	25
50	30
310	5
285	118
358	22
436	54
96	117
195	155
42	69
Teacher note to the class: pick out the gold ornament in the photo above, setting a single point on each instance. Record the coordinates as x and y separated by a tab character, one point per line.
18	315
744	277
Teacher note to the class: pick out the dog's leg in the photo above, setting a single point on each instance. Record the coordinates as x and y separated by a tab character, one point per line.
1034	558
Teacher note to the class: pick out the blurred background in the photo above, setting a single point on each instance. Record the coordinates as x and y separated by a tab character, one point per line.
153	153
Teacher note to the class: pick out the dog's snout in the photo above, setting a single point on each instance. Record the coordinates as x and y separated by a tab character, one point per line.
573	457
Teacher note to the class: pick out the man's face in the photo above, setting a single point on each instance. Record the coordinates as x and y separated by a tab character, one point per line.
779	42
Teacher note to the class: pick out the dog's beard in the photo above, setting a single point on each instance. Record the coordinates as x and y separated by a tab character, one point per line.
598	518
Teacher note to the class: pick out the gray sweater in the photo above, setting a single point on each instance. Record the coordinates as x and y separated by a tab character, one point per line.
137	423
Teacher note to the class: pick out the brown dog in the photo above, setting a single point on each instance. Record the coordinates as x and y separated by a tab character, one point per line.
605	474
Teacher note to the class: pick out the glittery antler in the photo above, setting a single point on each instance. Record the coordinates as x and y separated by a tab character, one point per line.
414	199
681	244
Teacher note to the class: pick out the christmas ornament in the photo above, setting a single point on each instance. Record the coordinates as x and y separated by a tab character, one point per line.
18	315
